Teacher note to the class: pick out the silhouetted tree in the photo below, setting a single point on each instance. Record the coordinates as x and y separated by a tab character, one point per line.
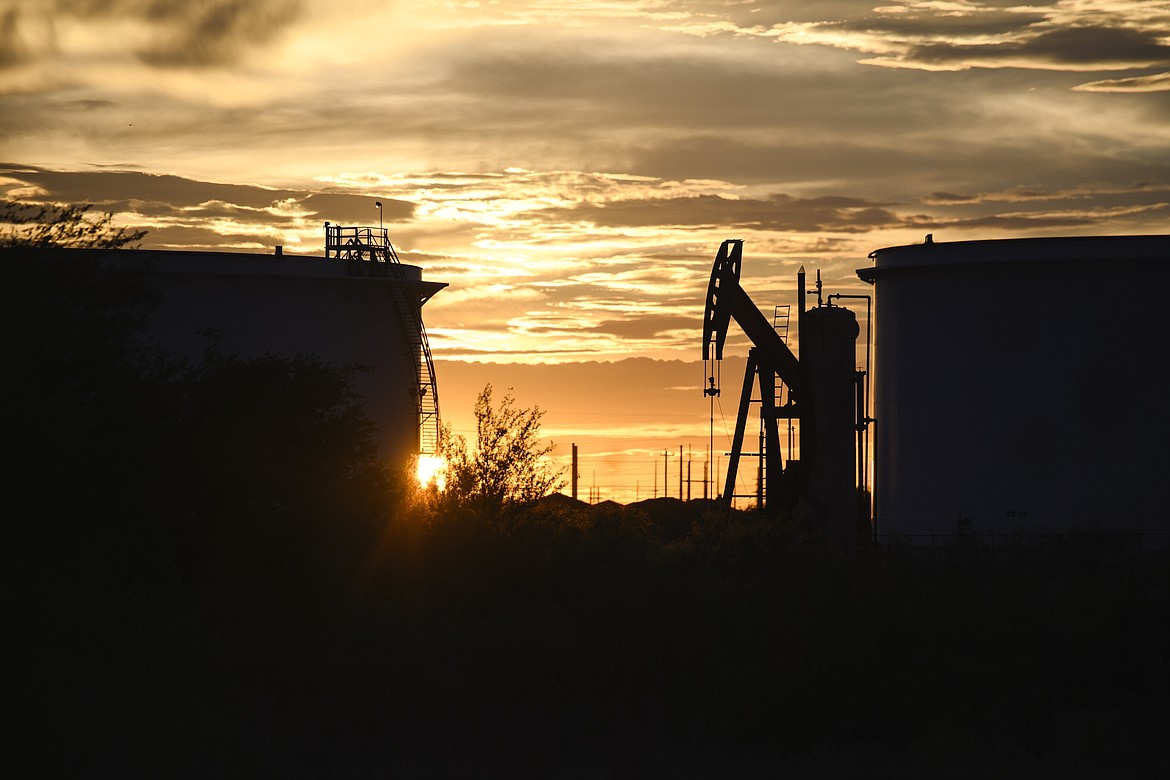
56	226
78	364
280	445
135	478
507	469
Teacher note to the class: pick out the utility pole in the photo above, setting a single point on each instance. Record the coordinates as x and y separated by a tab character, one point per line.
575	475
708	474
690	460
665	474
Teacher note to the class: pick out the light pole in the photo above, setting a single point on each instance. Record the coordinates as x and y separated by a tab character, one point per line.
378	206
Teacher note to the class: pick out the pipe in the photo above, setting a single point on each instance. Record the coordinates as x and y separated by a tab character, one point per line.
868	346
866	419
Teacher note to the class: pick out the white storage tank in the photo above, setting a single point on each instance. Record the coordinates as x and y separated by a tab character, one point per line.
337	310
1020	389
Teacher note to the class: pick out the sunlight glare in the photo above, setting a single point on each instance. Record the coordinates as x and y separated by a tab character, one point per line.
431	469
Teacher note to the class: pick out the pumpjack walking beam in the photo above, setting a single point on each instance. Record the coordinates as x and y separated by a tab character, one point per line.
726	299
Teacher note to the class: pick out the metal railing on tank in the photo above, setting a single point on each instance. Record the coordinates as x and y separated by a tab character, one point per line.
359	243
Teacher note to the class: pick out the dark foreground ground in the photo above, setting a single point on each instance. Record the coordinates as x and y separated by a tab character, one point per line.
617	644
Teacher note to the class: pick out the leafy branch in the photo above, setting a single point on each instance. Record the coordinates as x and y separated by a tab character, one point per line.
29	226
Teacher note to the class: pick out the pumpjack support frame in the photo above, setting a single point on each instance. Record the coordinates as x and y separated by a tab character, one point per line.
768	359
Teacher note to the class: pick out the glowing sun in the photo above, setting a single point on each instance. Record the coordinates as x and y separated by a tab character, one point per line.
430	469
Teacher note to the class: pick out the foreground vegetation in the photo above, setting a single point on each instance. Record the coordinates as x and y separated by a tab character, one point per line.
211	574
582	643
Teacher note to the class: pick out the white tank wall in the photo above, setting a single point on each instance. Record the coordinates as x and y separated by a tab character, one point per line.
1020	387
299	305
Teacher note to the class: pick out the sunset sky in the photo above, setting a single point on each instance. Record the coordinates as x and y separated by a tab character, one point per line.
571	167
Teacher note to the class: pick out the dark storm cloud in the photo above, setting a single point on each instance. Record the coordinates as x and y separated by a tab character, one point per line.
768	160
216	33
195	33
514	83
13	48
198	237
211	209
982	24
1016	194
84	104
644	327
1155	82
593	89
1084	45
1132	192
168	195
779	212
1015	222
749	14
352	209
740	120
1125	34
877	162
951	197
1078	46
118	189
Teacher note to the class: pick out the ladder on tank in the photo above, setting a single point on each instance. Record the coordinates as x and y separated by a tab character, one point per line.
425	391
368	251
